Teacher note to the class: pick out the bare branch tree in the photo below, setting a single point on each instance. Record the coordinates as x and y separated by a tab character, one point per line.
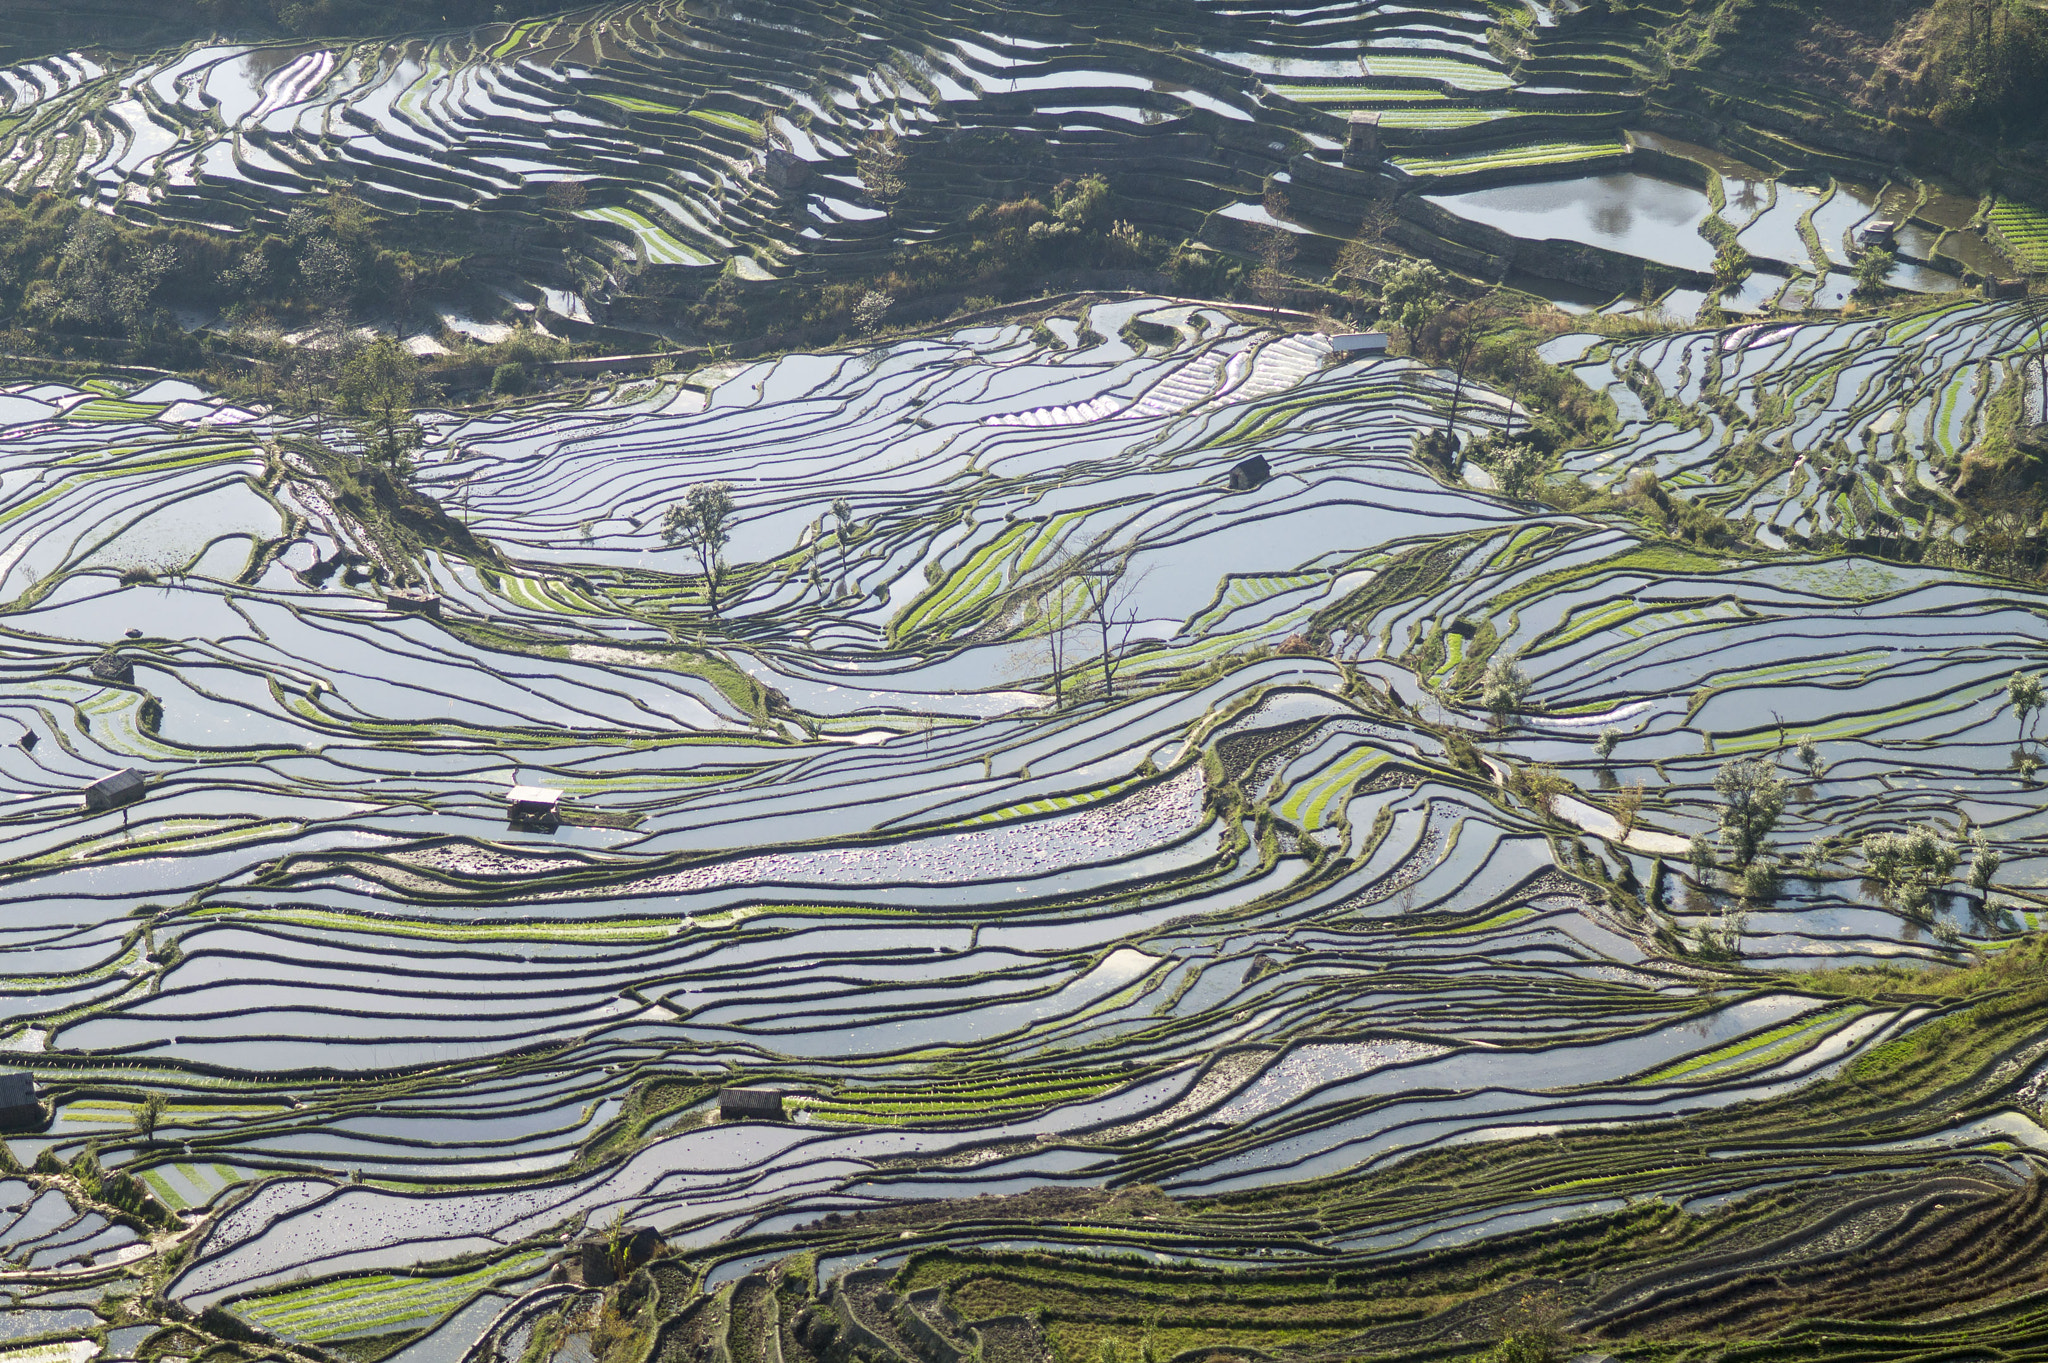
1051	606
1110	588
1091	588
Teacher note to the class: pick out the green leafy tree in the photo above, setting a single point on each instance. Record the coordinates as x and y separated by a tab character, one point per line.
842	515
1753	796
148	1113
1873	271
378	388
1518	468
1984	863
1081	203
1603	746
1503	687
2025	691
1982	64
1912	864
1732	265
702	523
1411	293
1809	757
104	282
1079	206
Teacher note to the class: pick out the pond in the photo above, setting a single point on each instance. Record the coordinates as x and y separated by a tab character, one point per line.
1638	215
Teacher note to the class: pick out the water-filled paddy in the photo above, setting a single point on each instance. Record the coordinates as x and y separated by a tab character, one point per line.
1639	215
1197	921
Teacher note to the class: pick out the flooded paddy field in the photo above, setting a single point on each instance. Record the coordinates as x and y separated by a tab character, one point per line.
1236	895
702	144
1138	817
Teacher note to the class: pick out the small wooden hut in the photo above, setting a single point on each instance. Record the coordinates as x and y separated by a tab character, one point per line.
18	1105
533	804
760	1104
124	787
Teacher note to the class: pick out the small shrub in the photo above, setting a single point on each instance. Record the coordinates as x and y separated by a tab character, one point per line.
1518	468
1701	853
1462	753
1538	784
511	380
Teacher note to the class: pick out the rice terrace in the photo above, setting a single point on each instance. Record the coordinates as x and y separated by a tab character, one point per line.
915	681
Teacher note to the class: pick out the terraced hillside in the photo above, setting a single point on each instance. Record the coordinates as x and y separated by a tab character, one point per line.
1106	827
1045	817
685	145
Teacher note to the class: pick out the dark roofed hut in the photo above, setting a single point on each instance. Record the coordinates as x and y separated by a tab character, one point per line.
124	787
762	1104
1250	474
18	1105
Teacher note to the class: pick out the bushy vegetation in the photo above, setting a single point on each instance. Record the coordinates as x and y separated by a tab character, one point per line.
1981	64
1004	250
76	282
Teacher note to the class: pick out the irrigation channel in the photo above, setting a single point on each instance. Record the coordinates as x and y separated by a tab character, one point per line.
1242	920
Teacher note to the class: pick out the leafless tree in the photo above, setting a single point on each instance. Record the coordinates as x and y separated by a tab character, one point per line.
1110	587
1050	607
1090	588
1355	260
